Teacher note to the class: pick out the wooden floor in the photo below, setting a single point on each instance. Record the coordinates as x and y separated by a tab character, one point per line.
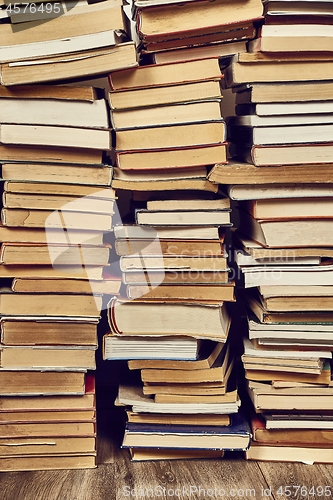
117	478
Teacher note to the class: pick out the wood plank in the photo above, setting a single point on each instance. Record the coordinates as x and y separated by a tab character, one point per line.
283	474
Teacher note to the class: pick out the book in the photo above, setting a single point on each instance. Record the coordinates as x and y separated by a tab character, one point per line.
188	112
297	7
53	403
286	110
262	375
179	277
171	136
264	452
140	454
290	155
280	191
298	421
39	254
180	348
17	331
178	158
97	175
174	262
47	462
290	402
162	96
297	232
288	208
128	246
282	93
178	318
41	429
222	292
50	305
56	189
13	217
35	446
37	383
133	231
235	172
255	120
45	135
54	112
23	154
68	272
288	134
50	358
141	180
110	286
68	66
165	74
60	92
53	236
272	70
164	418
206	217
191	18
296	38
235	436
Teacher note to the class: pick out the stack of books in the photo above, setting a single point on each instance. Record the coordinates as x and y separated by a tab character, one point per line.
57	41
169	31
286	270
53	219
173	325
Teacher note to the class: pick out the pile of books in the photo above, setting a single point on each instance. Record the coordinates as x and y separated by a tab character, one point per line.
169	31
57	41
283	245
173	325
57	204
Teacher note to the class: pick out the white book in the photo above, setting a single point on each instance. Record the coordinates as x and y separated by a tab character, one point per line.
280	120
289	135
250	350
287	108
273	191
56	47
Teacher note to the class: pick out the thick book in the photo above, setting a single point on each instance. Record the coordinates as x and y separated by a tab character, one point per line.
198	291
236	436
148	348
96	175
283	93
125	100
204	17
47	135
165	74
94	62
33	331
173	262
141	180
164	418
38	383
206	217
71	446
177	158
293	38
156	116
270	453
184	135
143	454
304	172
201	320
104	286
133	231
289	208
270	193
48	462
54	112
189	53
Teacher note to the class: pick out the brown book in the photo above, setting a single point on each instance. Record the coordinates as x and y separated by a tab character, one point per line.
140	180
187	92
271	453
39	254
165	74
139	454
71	65
47	462
284	92
37	383
174	263
36	446
68	272
40	429
173	158
50	305
89	175
171	136
13	217
138	278
41	331
236	172
51	358
70	402
191	19
228	397
168	247
49	156
176	419
223	292
57	92
62	285
61	191
259	375
199	389
53	236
